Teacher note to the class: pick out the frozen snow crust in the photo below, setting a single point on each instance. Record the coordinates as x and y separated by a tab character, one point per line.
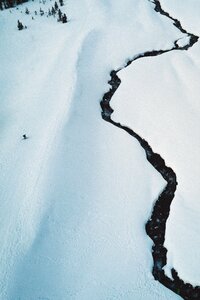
75	195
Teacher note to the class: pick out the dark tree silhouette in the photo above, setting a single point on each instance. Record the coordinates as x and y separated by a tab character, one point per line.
64	18
56	6
41	12
20	25
59	15
53	11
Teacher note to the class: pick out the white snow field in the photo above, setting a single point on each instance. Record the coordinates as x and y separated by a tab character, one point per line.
75	196
159	99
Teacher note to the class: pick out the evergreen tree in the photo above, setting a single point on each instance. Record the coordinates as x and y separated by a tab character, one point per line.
61	2
53	11
59	15
1	5
41	12
64	18
56	6
27	11
20	25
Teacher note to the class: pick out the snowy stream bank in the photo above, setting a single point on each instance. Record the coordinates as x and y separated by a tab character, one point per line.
156	225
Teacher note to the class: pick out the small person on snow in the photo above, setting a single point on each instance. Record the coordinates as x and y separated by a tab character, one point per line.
25	137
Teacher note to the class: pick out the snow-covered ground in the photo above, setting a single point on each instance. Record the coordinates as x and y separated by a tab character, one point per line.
158	98
184	251
75	196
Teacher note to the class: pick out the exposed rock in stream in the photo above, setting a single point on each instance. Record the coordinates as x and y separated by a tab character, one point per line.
156	225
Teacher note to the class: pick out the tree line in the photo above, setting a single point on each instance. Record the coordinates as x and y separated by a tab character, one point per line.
10	3
54	11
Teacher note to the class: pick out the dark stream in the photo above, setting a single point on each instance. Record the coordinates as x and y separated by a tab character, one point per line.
156	225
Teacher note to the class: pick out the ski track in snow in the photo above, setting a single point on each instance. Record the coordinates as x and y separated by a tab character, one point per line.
156	225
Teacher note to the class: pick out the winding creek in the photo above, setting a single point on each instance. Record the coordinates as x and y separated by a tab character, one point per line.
156	225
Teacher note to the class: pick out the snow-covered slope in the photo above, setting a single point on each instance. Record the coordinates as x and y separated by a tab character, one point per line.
168	117
75	196
184	253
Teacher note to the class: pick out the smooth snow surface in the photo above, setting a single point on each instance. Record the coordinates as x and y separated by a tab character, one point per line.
76	194
159	98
